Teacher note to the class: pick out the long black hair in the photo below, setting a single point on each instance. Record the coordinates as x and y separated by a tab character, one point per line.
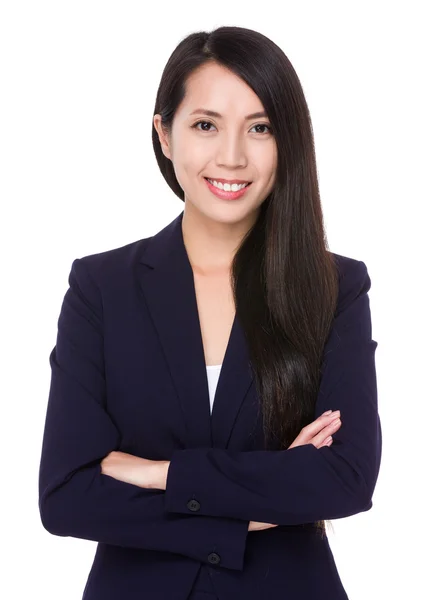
285	281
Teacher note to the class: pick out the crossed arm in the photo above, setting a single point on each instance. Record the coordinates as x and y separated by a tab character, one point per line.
81	496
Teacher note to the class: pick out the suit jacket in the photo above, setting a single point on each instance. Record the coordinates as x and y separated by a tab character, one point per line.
128	373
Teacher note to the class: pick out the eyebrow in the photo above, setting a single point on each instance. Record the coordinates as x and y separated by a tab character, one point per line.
212	113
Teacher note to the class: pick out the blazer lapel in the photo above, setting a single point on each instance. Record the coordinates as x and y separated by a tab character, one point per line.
167	283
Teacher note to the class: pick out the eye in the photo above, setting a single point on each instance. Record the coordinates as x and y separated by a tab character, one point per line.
263	125
195	126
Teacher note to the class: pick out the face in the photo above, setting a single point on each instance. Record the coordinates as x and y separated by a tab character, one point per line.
227	147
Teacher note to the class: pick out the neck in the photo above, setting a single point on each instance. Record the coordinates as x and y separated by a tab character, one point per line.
211	245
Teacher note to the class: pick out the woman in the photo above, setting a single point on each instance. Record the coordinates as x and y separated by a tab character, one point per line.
188	428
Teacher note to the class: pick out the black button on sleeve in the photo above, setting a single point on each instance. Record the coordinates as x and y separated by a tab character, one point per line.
193	505
214	558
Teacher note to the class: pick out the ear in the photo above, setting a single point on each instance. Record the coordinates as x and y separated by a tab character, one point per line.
163	136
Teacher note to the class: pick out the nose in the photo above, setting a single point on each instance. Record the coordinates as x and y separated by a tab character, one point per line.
231	152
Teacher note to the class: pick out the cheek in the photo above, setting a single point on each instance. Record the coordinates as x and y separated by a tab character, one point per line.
186	172
191	168
264	158
190	162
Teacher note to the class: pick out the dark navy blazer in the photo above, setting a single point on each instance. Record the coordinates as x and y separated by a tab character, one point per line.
128	373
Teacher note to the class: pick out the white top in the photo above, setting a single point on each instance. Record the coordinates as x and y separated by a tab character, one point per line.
213	372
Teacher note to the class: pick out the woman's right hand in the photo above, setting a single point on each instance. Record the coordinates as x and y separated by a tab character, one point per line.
319	434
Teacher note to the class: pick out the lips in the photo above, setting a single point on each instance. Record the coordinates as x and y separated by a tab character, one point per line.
230	182
227	195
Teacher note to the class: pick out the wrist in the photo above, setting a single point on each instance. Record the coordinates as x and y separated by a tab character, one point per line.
158	475
166	465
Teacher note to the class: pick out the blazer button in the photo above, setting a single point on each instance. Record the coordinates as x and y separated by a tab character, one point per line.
193	505
214	558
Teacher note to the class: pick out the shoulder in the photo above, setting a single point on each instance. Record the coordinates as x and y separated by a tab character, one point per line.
109	265
352	322
101	275
354	281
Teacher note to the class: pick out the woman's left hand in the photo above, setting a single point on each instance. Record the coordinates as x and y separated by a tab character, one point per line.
145	473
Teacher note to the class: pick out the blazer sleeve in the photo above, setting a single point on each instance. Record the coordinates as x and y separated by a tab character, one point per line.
75	498
303	484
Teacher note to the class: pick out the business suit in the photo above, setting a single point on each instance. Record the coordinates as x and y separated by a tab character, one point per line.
128	374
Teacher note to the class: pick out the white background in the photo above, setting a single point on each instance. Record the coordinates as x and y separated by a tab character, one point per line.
78	176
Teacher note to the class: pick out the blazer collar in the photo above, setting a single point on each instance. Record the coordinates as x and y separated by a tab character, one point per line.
166	279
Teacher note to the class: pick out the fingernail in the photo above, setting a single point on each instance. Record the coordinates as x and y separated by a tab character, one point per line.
328	412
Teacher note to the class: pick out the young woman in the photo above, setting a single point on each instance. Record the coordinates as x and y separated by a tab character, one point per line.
213	396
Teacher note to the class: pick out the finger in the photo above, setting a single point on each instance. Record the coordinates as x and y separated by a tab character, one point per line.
320	438
329	430
312	429
308	432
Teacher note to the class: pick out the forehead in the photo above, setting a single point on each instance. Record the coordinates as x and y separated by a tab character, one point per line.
216	88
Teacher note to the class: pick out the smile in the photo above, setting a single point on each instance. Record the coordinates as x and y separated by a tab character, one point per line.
226	192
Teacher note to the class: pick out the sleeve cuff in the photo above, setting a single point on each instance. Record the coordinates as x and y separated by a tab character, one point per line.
228	543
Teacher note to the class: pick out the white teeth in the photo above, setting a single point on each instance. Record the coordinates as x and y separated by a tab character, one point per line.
226	187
